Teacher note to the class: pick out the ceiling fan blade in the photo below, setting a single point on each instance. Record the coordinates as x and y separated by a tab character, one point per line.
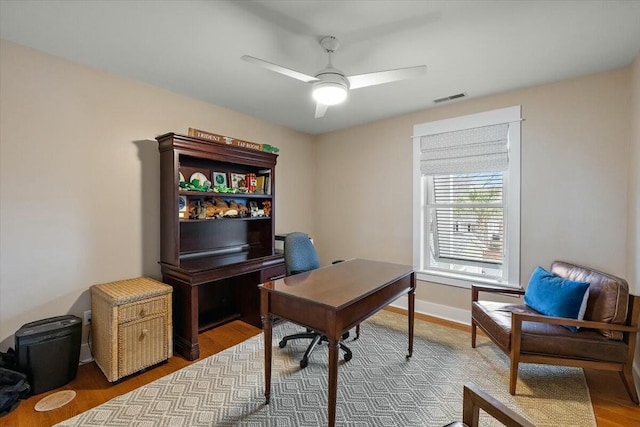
321	109
279	69
380	77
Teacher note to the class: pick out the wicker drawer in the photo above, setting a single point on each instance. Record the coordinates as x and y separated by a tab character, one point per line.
131	326
140	310
141	344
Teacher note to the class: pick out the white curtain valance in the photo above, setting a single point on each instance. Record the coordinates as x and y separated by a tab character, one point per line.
481	149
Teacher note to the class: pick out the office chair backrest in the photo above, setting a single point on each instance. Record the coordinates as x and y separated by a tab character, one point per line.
299	254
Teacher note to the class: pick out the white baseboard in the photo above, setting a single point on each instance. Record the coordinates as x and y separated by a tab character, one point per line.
452	314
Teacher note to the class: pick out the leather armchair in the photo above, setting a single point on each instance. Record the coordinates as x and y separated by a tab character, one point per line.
606	338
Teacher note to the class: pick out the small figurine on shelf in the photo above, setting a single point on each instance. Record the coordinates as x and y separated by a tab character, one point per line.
266	207
251	182
270	148
224	189
195	185
197	211
202	212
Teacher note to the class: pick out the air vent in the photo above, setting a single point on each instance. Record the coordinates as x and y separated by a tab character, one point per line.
450	97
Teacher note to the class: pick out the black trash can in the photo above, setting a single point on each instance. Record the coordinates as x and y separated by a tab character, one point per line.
48	351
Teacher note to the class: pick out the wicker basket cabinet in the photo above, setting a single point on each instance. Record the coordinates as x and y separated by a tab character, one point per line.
131	325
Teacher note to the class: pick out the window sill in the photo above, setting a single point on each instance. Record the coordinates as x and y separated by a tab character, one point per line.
459	280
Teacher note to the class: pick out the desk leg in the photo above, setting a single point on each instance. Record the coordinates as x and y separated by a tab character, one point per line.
412	306
333	380
267	325
267	356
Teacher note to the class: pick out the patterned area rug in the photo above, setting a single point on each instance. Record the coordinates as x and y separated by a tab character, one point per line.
378	387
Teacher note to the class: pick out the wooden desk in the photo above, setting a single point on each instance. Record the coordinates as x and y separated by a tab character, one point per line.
331	300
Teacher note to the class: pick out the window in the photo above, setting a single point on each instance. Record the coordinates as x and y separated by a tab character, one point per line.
466	199
466	223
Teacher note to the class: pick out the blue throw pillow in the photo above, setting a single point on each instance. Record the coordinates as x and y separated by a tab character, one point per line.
555	296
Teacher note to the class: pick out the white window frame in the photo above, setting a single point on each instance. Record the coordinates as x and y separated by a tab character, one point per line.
511	193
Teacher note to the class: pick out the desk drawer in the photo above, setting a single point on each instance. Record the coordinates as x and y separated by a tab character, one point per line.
273	273
142	309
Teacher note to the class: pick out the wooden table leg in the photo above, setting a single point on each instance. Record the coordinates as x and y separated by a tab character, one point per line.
267	325
412	307
267	358
333	380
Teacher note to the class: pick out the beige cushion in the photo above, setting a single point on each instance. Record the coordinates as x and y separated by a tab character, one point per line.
608	295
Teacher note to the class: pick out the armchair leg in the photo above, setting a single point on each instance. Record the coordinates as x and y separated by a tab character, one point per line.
514	354
473	333
627	379
513	375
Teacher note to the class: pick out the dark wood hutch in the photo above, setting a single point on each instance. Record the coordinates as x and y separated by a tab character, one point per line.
214	265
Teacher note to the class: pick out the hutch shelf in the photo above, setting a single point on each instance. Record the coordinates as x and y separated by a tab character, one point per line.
214	263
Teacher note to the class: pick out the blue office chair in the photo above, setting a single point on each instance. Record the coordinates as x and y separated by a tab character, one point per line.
301	256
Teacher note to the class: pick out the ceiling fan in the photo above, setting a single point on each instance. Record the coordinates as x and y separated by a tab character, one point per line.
330	85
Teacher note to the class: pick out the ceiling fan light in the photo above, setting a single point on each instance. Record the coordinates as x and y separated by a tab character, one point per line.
329	93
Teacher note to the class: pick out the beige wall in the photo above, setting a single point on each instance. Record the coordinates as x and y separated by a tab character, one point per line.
633	254
633	247
79	170
575	143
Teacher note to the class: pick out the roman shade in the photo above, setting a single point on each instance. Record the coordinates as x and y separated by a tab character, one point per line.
480	149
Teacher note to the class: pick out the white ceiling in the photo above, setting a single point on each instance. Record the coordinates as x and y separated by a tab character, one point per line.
194	47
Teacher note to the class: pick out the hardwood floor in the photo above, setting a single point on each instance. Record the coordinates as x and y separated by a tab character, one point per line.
611	405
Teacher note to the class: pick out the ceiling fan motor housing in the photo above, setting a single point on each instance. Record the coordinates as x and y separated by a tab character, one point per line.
332	88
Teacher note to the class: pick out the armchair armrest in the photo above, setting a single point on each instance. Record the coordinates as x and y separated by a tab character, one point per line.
518	318
476	289
474	399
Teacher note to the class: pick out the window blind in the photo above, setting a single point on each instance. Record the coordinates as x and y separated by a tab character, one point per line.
467	212
480	149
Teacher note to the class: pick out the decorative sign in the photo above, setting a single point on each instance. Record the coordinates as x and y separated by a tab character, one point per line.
221	139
